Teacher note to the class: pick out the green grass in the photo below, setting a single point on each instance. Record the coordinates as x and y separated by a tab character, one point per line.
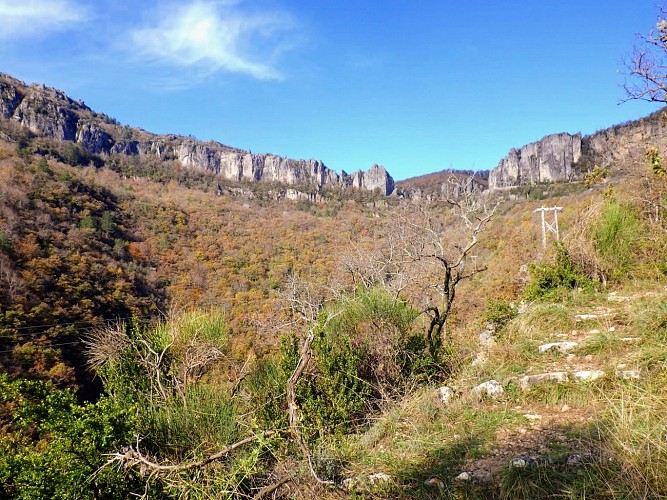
603	344
201	422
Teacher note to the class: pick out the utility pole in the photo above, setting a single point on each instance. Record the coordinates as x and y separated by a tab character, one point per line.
549	227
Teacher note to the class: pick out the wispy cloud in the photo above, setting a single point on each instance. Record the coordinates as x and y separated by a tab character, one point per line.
217	35
28	18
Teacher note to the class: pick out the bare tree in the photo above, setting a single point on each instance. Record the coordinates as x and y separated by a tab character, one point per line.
647	66
423	251
437	251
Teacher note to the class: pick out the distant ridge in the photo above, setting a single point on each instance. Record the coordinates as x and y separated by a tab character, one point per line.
50	112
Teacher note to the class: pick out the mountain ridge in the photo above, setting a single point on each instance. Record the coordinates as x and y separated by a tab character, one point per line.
557	157
50	112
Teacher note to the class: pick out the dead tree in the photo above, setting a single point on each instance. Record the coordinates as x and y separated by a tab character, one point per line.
647	65
437	249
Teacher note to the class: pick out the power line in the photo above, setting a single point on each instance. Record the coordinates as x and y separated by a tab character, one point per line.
6	351
43	329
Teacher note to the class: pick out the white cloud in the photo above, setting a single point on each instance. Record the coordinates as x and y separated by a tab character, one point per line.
216	35
27	18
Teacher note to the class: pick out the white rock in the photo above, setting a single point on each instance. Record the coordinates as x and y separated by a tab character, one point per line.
435	481
519	463
445	394
487	338
557	346
363	481
464	476
491	388
588	375
480	359
378	477
528	380
629	374
584	317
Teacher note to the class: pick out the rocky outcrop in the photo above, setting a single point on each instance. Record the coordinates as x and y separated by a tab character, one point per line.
375	179
565	157
621	148
10	98
51	113
94	139
553	158
45	117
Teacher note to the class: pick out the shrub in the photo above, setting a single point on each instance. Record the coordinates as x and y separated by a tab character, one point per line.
498	313
365	353
53	447
179	416
617	236
553	280
595	176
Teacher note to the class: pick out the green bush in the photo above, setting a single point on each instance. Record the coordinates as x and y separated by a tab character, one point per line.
552	281
498	313
265	388
204	419
53	447
363	354
180	415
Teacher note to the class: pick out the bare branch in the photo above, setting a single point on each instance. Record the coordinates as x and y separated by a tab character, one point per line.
647	67
293	408
133	457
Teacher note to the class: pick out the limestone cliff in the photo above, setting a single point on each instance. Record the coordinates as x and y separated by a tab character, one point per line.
376	178
621	148
565	157
51	113
553	158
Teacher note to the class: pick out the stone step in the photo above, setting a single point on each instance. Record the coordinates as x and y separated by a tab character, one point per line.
558	346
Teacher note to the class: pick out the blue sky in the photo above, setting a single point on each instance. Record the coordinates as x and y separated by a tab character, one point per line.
415	85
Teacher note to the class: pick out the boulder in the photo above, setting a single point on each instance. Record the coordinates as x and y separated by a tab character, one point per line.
557	346
491	388
445	394
530	380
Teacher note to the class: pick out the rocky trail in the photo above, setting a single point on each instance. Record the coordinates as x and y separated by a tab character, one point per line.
550	427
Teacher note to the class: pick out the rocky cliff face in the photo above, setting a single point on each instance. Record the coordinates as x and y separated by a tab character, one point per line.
51	113
565	157
621	148
376	178
553	158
